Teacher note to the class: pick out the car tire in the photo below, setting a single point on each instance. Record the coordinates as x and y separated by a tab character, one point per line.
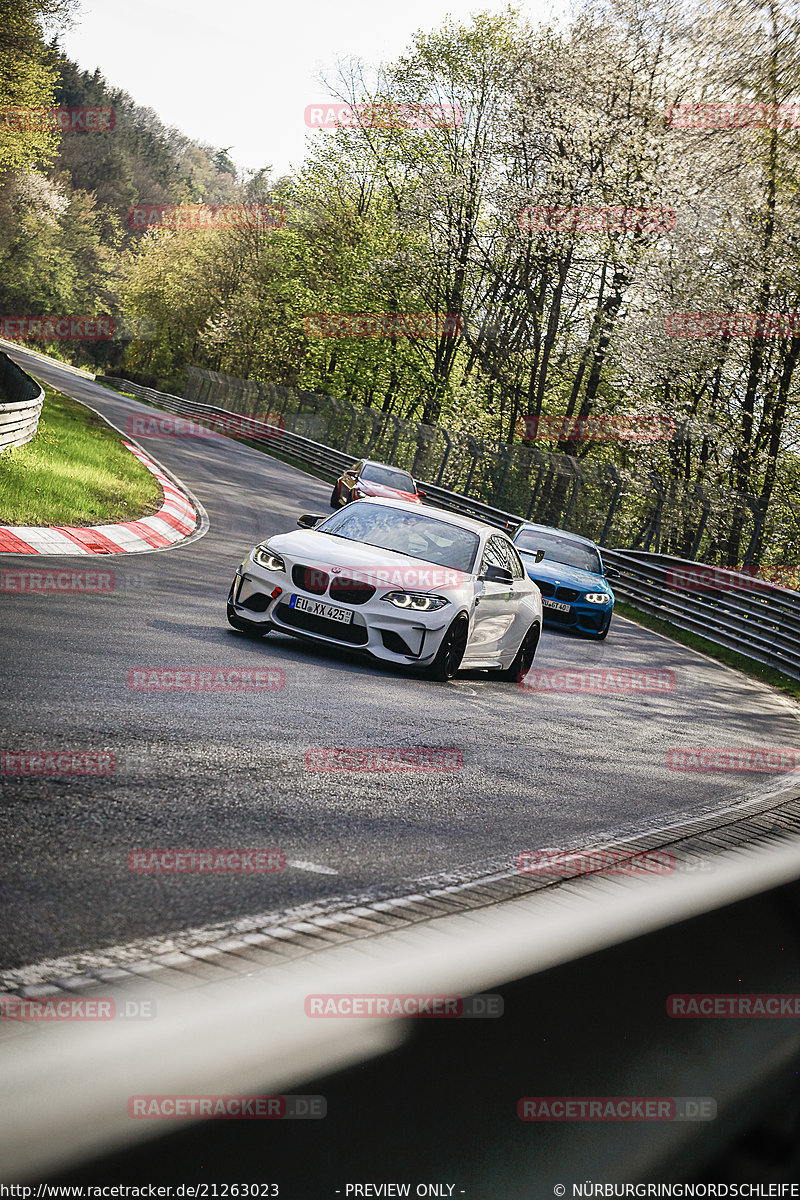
335	501
450	653
523	659
251	628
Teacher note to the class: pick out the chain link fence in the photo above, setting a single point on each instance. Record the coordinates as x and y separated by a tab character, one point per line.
600	500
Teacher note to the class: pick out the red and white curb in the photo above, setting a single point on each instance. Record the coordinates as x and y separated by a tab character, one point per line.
175	520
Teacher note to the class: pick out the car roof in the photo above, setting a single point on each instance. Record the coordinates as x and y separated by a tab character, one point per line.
441	514
564	533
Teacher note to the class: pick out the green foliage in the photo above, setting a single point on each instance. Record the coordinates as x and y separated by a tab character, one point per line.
75	471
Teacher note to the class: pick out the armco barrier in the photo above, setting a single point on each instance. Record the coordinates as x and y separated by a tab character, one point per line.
753	617
21	401
759	620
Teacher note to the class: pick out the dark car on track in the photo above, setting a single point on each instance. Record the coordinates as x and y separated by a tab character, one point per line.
570	575
367	478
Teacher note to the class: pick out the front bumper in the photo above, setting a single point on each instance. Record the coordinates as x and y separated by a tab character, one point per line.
582	617
378	628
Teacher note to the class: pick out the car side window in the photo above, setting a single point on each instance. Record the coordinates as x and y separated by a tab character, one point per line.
514	561
493	555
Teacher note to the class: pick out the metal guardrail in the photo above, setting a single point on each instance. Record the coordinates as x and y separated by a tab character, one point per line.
21	400
754	617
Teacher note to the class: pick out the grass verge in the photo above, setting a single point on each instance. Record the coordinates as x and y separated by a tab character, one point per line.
783	683
75	471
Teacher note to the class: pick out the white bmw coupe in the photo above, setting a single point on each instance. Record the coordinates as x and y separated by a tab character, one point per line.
411	585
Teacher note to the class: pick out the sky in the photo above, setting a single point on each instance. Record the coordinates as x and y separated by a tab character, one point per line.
240	73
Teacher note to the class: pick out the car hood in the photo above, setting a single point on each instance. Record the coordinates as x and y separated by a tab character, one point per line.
323	549
382	492
587	581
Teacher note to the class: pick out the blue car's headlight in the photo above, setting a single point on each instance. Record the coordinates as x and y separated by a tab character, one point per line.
266	558
598	597
416	601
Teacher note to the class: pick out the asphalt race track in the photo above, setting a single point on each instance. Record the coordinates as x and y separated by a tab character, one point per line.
208	770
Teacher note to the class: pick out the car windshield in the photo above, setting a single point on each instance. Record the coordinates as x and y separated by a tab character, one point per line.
414	534
559	549
389	477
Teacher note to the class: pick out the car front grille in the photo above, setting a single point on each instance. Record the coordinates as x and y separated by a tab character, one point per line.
310	579
544	587
566	594
351	591
297	619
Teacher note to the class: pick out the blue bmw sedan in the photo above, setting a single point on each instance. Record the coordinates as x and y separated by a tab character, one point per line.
569	571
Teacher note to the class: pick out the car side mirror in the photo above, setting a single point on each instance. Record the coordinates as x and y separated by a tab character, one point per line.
495	574
309	521
540	555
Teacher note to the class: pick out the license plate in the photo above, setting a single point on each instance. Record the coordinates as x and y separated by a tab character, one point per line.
318	608
555	604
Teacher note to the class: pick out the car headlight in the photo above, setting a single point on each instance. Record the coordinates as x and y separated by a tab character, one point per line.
416	601
598	597
267	558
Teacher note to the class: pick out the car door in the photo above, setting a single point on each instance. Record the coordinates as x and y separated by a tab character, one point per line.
519	606
496	604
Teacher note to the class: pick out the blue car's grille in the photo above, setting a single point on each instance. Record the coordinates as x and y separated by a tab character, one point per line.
559	593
